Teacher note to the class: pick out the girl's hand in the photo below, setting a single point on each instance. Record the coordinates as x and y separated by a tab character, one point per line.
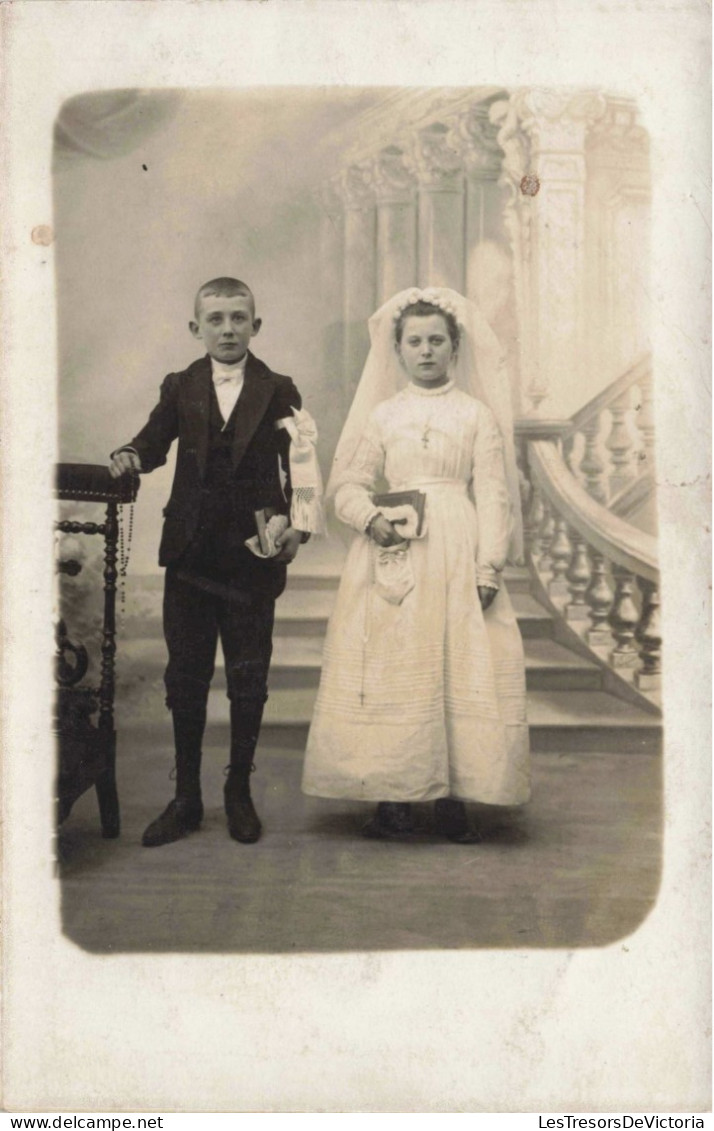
383	533
486	596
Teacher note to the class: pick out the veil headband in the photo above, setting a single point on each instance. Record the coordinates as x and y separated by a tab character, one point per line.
478	369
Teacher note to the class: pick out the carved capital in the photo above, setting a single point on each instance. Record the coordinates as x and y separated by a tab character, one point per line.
356	188
539	108
475	136
539	121
438	165
513	141
618	136
394	182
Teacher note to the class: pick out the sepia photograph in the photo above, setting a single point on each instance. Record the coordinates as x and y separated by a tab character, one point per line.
461	741
356	557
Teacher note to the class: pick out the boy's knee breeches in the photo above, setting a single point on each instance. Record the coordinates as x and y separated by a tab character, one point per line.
194	620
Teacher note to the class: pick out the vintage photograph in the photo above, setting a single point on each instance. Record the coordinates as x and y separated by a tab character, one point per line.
357	616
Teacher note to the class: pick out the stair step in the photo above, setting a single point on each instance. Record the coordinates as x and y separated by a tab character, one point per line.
558	720
567	710
297	661
551	666
517	578
533	620
305	612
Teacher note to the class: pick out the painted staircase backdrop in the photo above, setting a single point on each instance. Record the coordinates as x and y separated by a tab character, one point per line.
535	203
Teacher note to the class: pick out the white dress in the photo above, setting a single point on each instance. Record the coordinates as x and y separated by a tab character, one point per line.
425	699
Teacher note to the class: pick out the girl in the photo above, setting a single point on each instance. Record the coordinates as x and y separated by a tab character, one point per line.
422	695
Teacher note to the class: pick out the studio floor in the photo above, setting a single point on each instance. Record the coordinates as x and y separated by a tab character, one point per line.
577	867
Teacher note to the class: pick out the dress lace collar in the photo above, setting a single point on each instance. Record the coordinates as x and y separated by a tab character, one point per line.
433	391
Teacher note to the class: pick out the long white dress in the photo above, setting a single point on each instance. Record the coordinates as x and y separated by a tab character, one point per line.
425	699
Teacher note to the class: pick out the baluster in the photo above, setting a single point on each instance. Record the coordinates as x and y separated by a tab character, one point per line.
569	453
578	576
599	598
591	465
546	531
646	424
619	444
561	553
533	519
648	635
525	488
624	617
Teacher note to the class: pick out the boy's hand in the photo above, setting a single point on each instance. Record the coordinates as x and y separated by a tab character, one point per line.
288	543
486	595
124	462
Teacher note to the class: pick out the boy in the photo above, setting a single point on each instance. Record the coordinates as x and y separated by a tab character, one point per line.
233	418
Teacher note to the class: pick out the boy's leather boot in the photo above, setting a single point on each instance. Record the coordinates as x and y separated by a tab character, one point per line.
243	821
184	814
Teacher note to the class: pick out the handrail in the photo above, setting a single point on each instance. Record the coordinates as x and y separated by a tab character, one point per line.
641	369
633	495
618	541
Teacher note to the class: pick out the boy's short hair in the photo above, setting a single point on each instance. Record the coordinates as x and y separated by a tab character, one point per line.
224	287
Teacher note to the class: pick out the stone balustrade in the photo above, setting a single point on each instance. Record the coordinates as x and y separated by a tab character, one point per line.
598	572
610	445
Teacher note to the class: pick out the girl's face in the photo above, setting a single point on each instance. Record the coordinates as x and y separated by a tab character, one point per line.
425	350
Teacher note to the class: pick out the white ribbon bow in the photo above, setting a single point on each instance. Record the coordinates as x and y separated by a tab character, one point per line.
301	427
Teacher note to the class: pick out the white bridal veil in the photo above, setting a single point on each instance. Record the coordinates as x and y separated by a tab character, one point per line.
478	369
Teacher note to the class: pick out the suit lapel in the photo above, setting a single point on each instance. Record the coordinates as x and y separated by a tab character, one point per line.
198	410
255	396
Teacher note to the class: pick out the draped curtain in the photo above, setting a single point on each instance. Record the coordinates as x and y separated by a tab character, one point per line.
110	124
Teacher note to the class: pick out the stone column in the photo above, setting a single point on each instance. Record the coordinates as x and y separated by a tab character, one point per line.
489	268
543	135
360	247
332	244
331	282
396	223
476	138
618	230
441	208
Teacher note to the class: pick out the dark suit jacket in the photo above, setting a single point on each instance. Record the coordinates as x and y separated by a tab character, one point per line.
183	413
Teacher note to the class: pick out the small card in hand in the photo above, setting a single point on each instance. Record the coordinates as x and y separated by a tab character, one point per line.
415	499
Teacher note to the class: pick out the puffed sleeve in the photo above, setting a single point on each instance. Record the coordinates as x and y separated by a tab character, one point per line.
353	501
493	506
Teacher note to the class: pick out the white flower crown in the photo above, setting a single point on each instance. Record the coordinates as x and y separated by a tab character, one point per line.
432	296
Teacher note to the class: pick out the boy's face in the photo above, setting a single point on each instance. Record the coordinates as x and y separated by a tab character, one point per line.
225	325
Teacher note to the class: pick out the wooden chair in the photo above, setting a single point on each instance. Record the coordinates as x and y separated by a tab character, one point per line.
87	747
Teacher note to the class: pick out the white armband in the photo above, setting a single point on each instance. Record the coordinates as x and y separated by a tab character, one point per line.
306	508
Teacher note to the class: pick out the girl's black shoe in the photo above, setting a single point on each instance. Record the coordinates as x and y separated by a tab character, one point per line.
451	821
393	819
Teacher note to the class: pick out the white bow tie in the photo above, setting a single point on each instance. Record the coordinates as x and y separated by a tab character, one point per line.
227	378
